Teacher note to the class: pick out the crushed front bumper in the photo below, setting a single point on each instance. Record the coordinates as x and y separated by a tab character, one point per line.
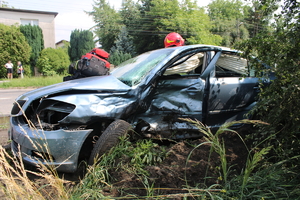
57	148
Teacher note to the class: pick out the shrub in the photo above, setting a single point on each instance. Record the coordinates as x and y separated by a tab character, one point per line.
279	103
53	61
13	46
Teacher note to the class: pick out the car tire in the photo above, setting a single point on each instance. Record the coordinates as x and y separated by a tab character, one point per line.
109	138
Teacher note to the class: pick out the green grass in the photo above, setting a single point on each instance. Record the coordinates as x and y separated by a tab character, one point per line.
40	81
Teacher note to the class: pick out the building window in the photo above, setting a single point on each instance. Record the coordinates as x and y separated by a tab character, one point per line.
31	22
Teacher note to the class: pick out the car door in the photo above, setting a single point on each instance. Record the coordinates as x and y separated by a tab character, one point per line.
178	93
231	90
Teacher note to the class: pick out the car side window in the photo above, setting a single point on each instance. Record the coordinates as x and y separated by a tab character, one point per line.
192	65
231	65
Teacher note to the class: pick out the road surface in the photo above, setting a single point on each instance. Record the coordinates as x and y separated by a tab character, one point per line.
7	98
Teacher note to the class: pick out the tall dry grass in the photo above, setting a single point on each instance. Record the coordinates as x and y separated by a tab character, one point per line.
17	182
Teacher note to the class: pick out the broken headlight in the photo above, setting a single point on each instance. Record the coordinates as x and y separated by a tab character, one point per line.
52	112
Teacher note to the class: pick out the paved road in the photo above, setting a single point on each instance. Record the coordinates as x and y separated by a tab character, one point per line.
7	98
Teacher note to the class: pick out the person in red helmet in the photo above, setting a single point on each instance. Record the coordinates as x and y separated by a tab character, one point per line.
173	39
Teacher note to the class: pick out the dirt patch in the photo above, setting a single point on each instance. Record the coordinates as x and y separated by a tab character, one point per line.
187	165
4	137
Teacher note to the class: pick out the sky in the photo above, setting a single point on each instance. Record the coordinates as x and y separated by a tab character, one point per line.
71	13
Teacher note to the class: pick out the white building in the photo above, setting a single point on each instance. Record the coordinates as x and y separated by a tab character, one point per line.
45	20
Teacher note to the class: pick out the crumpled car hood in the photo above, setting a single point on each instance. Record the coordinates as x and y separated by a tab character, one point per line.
97	83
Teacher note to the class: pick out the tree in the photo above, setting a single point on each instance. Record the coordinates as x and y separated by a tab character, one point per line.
13	46
53	61
81	42
123	48
117	57
149	21
145	34
183	17
260	17
140	25
229	19
130	15
108	23
279	103
124	43
4	4
34	37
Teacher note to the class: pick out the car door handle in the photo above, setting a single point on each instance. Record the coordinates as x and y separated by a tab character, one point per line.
192	90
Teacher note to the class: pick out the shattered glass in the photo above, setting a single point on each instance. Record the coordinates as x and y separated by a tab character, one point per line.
134	70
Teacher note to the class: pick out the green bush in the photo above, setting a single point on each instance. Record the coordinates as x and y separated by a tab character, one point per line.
279	103
13	46
53	61
27	70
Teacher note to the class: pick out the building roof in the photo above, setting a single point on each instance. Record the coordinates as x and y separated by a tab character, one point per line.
61	42
29	11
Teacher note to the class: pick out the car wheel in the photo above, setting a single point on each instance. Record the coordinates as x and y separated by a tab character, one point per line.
109	138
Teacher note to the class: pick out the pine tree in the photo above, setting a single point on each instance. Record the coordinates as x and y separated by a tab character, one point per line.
35	38
81	42
124	43
108	23
123	48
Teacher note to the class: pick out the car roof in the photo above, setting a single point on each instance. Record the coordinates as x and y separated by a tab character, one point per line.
186	47
202	45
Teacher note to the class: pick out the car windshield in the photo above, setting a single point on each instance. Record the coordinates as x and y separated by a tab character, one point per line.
132	71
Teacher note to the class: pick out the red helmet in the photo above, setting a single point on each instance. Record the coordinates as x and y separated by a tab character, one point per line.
173	39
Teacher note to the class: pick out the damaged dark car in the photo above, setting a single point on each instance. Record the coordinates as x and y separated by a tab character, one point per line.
148	94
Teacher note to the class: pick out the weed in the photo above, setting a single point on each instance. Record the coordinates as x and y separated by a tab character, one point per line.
214	140
147	153
128	157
